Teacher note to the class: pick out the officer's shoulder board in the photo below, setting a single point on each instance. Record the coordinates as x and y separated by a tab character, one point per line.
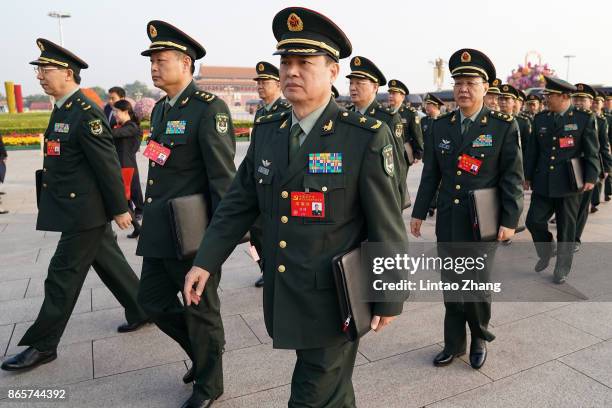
445	115
386	111
284	104
586	111
361	121
412	109
204	96
80	103
501	116
273	117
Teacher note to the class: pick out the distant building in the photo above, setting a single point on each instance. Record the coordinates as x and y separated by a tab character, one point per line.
40	106
234	85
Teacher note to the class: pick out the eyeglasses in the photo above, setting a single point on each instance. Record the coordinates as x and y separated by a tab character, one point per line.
45	70
468	84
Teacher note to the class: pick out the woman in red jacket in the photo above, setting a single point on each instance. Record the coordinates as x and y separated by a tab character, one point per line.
127	137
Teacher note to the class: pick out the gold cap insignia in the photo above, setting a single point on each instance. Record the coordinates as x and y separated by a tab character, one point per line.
294	22
260	67
505	87
40	45
356	61
466	57
496	82
393	83
580	87
152	31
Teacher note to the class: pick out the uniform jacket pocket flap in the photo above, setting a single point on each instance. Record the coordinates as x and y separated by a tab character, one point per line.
324	182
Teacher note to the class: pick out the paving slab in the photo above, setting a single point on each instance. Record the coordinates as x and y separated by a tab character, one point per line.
24	310
593	362
14	289
5	336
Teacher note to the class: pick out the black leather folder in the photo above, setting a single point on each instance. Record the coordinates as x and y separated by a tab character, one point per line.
575	174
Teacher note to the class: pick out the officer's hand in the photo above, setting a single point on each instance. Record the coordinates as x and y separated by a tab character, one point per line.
505	233
415	227
416	161
123	220
588	186
195	276
526	185
606	175
379	322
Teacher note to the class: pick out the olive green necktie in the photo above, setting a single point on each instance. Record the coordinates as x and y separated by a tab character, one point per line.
465	126
294	140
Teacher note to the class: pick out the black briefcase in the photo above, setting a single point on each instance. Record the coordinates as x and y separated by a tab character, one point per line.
485	214
409	152
189	219
38	179
575	174
356	316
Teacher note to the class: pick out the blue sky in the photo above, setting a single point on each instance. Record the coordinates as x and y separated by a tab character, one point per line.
401	37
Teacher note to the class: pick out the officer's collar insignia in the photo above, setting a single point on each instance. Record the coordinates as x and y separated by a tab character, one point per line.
376	125
185	101
453	119
372	112
466	57
362	119
329	126
152	31
95	127
274	108
294	22
266	163
68	105
284	125
40	45
260	67
483	120
571	113
356	61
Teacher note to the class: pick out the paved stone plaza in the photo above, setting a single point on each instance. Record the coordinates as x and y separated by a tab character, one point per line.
545	355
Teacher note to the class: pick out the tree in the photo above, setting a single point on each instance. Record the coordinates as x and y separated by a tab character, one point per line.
138	87
35	98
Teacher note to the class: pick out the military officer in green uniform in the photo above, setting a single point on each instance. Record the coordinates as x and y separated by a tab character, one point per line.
559	134
365	80
472	148
603	131
268	88
491	99
533	105
608	115
584	98
79	192
191	151
507	103
410	119
317	153
432	109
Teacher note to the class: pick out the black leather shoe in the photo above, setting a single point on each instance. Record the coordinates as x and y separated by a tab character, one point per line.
478	353
195	401
542	264
260	282
444	358
130	327
594	209
29	358
559	280
608	198
577	247
189	376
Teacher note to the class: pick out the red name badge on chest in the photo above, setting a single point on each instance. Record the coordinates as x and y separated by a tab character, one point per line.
156	152
53	148
566	142
306	204
469	164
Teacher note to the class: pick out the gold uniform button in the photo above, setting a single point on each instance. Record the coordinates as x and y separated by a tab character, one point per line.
72	195
552	167
554	148
44	169
456	201
149	200
284	219
281	268
45	154
46	140
150	182
458	172
284	194
260	181
324	188
44	185
171	143
552	157
282	244
152	164
457	187
554	138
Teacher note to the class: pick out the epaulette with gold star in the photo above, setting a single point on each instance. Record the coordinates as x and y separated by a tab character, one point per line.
204	96
587	111
359	120
501	116
273	117
79	102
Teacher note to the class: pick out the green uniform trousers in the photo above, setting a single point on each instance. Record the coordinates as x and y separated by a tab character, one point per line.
583	210
322	377
566	214
75	253
198	329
